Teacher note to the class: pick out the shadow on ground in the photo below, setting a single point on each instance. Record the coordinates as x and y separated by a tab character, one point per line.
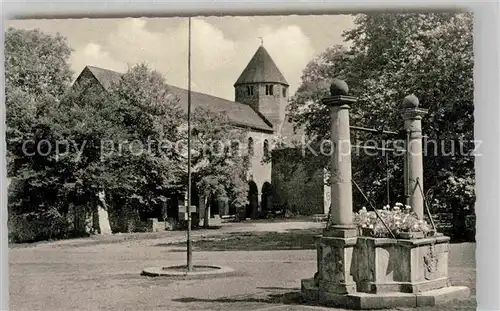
198	228
294	239
292	297
289	298
256	241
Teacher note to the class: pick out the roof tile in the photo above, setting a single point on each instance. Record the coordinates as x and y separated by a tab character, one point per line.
261	69
239	114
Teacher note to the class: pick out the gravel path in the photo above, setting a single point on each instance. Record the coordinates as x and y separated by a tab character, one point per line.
69	275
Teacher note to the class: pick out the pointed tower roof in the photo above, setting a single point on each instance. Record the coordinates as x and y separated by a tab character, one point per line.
260	69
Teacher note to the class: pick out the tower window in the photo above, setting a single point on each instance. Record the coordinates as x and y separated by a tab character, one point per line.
250	90
269	90
284	91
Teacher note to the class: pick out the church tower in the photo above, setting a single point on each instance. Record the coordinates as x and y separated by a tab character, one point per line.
262	86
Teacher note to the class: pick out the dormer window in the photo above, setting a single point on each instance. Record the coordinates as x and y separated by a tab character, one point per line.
269	89
250	90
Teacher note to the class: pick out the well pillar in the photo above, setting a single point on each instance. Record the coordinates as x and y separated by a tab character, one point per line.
412	116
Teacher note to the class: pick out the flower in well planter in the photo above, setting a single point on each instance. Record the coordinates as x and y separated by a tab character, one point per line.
400	219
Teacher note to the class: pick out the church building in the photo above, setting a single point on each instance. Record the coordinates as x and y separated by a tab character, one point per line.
261	97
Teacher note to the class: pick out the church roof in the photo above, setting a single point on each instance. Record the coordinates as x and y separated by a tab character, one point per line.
239	114
260	69
105	77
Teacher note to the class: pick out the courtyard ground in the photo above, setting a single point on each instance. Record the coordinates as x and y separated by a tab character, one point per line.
103	273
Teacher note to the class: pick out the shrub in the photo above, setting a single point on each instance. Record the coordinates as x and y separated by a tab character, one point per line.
25	228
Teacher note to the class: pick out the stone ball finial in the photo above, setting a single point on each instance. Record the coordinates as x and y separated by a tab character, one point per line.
338	87
410	101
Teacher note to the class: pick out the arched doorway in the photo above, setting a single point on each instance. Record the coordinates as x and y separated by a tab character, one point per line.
267	198
253	200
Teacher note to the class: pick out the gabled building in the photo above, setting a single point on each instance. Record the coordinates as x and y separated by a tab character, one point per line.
261	97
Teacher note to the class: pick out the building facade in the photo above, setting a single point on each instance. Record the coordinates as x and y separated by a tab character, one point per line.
261	96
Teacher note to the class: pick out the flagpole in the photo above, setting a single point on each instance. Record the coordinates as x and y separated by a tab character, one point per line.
188	208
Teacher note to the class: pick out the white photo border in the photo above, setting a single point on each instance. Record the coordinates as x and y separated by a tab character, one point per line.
486	97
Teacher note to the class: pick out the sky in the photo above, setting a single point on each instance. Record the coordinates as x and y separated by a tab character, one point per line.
221	46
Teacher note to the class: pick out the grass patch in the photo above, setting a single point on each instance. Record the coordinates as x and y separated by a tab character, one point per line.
258	241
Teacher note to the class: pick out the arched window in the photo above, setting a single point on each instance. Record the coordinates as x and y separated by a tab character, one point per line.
250	146
250	90
266	148
284	91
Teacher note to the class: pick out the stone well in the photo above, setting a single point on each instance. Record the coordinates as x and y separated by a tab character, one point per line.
407	266
360	272
375	273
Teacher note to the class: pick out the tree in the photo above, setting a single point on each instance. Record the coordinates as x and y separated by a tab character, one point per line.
68	174
219	164
36	63
391	56
37	74
144	162
68	145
